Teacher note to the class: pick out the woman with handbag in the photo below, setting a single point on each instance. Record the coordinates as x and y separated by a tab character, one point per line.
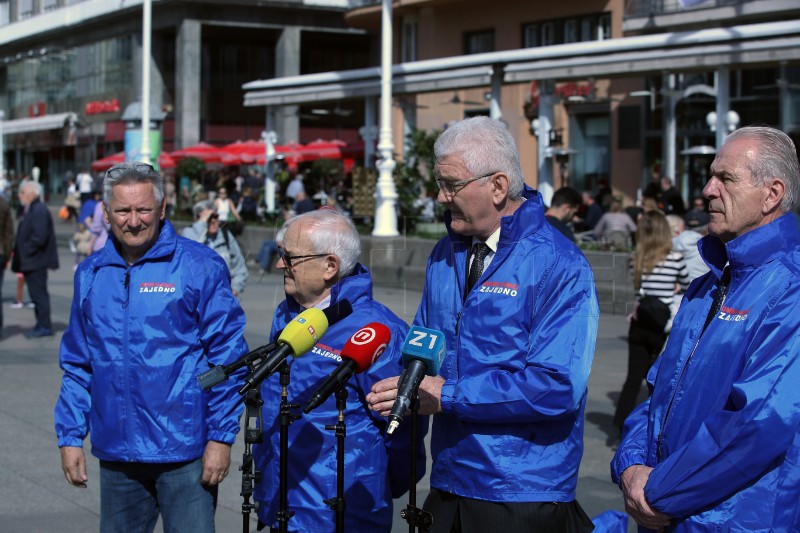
658	274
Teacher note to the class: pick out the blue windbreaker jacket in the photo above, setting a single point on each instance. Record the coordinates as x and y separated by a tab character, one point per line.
518	355
137	339
376	465
725	406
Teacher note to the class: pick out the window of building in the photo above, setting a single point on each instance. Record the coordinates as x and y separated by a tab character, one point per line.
595	27
571	31
5	12
25	8
408	50
49	5
548	33
478	42
530	36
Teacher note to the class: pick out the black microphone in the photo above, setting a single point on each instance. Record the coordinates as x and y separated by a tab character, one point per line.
220	373
358	354
298	337
423	351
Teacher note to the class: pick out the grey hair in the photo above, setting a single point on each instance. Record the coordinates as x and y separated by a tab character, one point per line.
33	186
133	172
331	232
776	158
484	145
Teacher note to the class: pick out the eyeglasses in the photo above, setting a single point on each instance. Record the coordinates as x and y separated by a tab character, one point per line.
451	187
287	259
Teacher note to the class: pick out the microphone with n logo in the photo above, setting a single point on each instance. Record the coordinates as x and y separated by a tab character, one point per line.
358	354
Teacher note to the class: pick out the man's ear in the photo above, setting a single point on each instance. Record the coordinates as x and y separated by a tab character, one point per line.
105	214
163	214
775	190
332	267
500	185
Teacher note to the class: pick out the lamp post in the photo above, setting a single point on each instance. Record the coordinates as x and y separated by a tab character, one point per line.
385	193
144	153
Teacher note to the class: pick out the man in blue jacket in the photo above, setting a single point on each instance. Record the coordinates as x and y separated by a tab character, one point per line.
319	260
717	445
519	314
150	312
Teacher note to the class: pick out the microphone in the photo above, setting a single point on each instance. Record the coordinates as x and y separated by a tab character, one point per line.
218	374
423	351
298	337
358	354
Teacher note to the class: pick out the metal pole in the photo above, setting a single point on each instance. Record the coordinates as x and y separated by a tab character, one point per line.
144	154
386	194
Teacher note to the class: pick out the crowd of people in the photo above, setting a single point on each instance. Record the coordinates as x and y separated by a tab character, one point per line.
513	299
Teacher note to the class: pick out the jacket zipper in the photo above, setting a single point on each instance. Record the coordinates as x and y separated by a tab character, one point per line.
660	439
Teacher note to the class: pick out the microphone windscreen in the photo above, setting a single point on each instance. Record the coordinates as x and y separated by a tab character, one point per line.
426	345
337	311
302	332
366	345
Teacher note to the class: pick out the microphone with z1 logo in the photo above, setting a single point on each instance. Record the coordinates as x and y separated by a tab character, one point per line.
358	354
423	351
298	337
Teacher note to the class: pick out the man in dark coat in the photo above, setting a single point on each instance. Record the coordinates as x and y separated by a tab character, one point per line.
34	253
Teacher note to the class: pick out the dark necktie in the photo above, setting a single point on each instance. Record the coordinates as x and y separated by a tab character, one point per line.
479	253
719	296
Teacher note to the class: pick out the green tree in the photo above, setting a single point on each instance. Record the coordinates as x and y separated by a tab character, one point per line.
190	167
414	176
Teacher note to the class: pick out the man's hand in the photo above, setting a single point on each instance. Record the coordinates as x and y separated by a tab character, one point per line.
384	392
216	461
633	480
73	463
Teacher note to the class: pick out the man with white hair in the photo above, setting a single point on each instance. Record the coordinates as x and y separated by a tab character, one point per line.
716	446
35	253
319	259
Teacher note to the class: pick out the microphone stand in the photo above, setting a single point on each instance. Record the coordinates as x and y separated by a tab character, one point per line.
337	503
252	434
416	517
286	418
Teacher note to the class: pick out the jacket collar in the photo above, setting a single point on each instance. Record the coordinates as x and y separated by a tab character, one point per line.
165	245
754	248
527	219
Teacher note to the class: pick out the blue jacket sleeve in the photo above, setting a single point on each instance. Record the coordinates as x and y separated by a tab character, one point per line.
560	349
75	400
737	444
221	329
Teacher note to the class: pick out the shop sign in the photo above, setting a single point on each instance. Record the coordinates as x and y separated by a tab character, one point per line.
98	107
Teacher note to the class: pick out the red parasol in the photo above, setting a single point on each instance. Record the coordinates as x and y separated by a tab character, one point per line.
203	151
101	165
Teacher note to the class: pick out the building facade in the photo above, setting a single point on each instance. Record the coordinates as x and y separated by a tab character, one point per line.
609	91
69	69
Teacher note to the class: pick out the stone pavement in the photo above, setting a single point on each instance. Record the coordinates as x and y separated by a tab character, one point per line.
34	497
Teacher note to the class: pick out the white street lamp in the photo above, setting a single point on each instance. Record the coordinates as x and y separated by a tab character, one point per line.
385	193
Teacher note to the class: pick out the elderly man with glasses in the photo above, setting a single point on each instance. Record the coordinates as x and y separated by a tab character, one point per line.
319	259
516	302
151	311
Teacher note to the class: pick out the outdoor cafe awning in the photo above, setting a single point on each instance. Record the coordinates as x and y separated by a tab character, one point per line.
46	122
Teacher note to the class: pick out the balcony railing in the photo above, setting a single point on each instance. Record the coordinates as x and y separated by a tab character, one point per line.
644	8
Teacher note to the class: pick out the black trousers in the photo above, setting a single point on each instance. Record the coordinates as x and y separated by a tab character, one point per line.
456	514
36	280
644	346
